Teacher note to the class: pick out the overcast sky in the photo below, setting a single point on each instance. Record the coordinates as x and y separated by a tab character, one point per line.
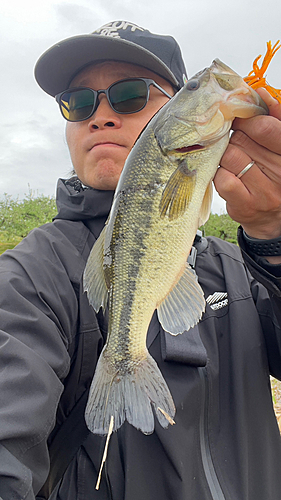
33	148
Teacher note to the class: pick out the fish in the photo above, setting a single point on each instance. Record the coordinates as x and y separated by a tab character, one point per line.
139	262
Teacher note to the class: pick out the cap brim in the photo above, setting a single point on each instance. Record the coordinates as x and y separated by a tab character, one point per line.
57	66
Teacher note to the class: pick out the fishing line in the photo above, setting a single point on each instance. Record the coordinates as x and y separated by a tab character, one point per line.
110	430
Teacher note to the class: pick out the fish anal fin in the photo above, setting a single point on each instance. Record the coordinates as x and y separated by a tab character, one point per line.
206	205
182	308
178	192
94	278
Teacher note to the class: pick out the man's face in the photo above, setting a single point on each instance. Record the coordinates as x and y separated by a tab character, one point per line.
100	145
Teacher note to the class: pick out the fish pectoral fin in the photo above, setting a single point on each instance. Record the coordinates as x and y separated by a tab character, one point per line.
178	192
182	308
94	278
206	205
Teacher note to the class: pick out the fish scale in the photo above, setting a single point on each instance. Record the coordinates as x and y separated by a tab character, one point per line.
146	255
139	262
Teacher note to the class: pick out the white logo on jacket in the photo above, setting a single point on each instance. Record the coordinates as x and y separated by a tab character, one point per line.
217	300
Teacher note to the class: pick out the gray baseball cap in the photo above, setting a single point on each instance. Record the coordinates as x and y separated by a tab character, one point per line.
117	41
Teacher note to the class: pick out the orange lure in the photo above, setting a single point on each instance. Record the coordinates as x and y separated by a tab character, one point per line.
256	77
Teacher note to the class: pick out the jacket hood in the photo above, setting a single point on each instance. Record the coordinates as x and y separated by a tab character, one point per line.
76	202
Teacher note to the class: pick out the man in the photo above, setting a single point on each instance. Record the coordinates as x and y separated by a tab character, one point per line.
225	444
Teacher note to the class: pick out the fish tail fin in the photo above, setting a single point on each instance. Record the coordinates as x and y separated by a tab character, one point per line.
128	396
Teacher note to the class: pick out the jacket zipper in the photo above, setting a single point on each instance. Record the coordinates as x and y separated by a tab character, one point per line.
110	497
209	469
208	466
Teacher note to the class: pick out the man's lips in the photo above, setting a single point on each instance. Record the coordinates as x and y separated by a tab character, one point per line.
105	145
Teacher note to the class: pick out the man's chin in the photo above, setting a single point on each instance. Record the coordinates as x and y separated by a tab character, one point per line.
106	183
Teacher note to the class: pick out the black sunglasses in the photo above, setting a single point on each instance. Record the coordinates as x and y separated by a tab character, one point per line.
124	97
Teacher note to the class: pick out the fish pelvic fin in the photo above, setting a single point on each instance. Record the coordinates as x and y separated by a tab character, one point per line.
128	396
206	205
182	308
94	278
178	192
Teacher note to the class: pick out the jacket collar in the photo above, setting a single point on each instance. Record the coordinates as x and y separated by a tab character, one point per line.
79	203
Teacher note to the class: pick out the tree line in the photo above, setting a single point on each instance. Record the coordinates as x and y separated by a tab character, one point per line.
19	216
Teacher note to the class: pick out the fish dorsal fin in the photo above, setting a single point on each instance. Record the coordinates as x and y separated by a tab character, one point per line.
182	308
178	192
94	278
206	205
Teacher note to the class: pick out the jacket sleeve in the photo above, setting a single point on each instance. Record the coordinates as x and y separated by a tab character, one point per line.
268	275
38	319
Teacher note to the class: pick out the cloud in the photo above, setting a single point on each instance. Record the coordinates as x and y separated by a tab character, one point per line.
34	155
77	18
32	144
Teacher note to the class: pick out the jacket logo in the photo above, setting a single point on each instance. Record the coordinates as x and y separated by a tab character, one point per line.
111	29
217	301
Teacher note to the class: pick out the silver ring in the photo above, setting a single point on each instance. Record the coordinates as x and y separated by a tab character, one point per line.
245	169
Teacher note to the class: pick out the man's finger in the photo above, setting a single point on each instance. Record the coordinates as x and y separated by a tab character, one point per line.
273	105
263	130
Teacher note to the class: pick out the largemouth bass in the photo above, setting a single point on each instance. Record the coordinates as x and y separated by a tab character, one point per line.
139	262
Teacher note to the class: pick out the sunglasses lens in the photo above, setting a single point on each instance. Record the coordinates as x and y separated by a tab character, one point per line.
128	96
77	105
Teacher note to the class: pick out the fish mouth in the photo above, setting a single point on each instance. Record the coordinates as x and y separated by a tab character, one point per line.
189	149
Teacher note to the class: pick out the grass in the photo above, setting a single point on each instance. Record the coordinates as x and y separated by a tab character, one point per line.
276	393
8	243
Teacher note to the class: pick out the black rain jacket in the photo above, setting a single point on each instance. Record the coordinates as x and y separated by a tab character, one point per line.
225	444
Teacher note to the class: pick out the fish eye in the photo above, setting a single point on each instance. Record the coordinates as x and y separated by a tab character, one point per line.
193	84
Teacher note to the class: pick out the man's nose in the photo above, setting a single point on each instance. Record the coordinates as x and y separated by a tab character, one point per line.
104	115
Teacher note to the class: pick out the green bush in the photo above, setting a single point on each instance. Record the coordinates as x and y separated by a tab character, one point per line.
221	226
18	217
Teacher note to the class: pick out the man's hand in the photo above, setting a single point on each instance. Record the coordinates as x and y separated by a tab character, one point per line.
254	200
